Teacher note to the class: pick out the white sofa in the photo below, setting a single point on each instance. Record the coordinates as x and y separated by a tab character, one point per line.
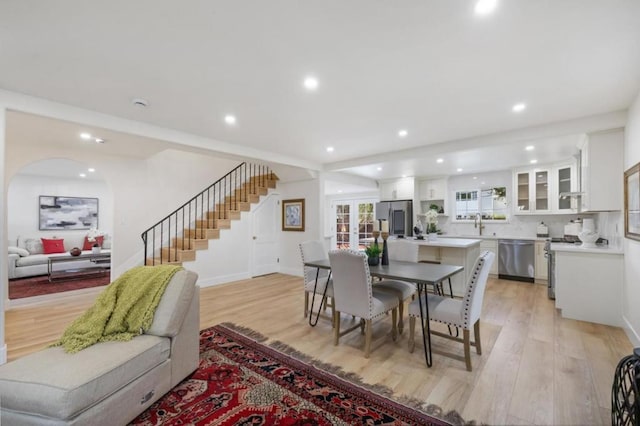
109	383
26	258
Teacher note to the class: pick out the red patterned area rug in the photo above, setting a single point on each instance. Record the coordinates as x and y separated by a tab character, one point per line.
243	382
40	285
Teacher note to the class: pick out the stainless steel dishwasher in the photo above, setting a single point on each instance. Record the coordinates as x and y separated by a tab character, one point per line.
516	259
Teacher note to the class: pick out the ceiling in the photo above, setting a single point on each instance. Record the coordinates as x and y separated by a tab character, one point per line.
431	67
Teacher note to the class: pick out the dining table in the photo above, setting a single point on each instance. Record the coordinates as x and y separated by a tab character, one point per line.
421	274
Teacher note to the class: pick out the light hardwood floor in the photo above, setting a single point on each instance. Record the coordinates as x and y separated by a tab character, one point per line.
536	367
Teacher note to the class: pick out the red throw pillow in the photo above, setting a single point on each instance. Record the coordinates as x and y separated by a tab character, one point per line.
52	245
88	245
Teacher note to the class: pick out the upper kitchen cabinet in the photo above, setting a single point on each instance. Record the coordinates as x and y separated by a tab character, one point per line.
537	191
433	192
532	191
397	189
601	162
566	178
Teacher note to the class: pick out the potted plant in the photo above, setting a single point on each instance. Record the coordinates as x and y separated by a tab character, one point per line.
373	254
432	224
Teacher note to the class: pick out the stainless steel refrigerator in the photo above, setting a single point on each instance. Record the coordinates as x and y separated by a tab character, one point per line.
399	214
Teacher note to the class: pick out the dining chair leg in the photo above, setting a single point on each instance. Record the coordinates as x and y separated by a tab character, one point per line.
367	339
400	321
394	328
467	348
336	328
476	336
306	303
412	330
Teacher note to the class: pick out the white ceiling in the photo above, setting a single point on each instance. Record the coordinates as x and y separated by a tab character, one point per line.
431	67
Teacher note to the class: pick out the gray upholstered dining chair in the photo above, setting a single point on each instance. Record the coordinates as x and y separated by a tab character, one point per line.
463	313
314	250
404	251
356	296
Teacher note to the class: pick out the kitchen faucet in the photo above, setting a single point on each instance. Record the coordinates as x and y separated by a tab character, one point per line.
477	223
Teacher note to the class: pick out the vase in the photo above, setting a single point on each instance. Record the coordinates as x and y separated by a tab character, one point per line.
95	250
432	237
373	260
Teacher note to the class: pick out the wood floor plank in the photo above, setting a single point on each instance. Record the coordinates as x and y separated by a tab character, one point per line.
535	364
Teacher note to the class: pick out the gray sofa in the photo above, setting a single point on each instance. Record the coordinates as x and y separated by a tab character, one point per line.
26	258
108	383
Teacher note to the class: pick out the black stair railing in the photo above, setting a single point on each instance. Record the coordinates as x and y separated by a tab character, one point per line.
202	213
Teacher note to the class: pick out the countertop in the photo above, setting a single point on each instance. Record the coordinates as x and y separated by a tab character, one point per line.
577	248
447	242
494	237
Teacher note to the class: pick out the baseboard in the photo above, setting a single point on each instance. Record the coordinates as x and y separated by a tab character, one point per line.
3	354
631	333
296	272
223	279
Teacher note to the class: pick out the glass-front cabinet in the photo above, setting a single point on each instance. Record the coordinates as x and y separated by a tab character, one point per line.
544	190
532	191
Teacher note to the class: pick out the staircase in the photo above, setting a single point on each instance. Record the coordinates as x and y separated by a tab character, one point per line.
177	237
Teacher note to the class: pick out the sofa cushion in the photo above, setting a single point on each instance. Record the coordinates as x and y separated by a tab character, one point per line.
33	245
17	250
34	259
88	245
52	383
175	302
53	245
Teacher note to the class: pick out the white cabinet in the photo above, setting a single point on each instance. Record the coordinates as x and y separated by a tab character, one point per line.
532	191
541	262
397	189
433	192
492	246
565	180
537	191
602	166
589	286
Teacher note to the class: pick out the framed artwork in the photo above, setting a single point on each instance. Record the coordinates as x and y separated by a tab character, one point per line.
293	215
632	202
67	213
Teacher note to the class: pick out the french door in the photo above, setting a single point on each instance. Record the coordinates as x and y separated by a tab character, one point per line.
353	223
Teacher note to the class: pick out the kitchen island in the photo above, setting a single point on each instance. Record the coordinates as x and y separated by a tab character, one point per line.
451	251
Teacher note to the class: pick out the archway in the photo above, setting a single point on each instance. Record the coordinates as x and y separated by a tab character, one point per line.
57	199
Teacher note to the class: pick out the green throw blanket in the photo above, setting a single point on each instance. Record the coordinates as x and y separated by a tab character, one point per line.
122	311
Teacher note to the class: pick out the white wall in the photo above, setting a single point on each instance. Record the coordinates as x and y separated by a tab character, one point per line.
631	288
23	213
310	190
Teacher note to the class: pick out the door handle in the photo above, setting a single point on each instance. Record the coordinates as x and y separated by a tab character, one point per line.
255	238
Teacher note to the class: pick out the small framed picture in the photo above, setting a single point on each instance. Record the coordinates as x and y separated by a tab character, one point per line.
632	202
293	215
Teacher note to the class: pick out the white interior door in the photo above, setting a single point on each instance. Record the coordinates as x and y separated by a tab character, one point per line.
265	243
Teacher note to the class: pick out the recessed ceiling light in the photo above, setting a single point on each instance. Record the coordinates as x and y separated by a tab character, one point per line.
85	136
485	7
533	161
379	168
482	183
403	133
530	148
339	191
475	177
440	160
458	169
83	175
329	149
99	140
404	176
91	170
230	119
519	107
310	83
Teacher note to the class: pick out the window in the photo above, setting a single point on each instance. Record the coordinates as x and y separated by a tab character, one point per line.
490	203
